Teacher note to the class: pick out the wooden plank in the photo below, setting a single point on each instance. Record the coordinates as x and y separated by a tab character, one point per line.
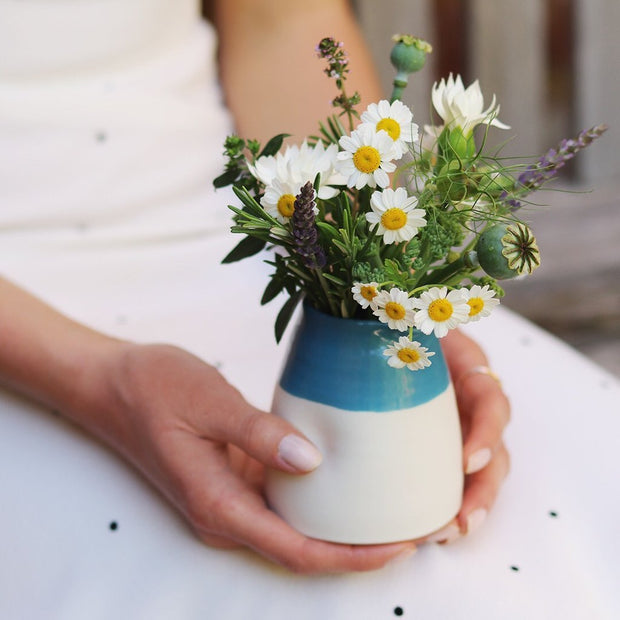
381	20
598	87
507	48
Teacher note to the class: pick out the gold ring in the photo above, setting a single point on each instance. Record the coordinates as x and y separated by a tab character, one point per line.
478	370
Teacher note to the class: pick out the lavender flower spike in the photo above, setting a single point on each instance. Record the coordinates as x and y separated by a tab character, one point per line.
305	232
536	175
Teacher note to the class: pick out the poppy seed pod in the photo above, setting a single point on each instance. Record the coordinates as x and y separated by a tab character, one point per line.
508	250
408	55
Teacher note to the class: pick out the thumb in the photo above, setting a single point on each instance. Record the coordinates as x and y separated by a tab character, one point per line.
264	436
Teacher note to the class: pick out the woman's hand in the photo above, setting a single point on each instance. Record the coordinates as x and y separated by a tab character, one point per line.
205	448
485	412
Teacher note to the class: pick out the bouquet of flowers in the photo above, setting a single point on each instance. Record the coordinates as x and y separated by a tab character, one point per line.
419	244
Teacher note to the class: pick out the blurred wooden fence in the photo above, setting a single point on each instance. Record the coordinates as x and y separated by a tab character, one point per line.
554	65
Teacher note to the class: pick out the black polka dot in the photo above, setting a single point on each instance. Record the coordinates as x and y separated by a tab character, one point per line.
554	514
113	525
398	611
101	136
514	568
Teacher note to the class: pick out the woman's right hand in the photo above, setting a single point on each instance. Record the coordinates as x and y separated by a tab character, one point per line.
205	448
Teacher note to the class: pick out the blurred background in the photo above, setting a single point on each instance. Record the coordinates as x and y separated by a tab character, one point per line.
554	66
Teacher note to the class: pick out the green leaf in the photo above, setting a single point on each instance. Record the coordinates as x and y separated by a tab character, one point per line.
273	289
228	178
285	314
246	247
251	204
334	279
274	145
328	229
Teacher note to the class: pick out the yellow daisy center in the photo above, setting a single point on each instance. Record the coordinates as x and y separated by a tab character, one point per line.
391	126
440	310
286	205
394	218
409	356
394	310
367	159
368	292
475	305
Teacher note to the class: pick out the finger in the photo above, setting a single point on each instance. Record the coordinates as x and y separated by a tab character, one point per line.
485	410
462	353
481	490
229	418
227	511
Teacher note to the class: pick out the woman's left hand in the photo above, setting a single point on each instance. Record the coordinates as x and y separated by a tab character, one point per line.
485	411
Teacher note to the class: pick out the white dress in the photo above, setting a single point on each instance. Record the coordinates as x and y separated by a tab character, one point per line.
111	126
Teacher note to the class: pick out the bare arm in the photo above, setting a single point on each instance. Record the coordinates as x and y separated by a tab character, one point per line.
272	78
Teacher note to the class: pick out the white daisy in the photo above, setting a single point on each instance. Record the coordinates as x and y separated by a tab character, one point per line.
396	119
481	301
395	308
394	216
463	107
408	353
279	200
440	311
365	293
299	164
366	159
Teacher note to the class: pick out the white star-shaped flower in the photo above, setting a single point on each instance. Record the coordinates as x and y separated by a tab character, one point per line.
297	165
463	107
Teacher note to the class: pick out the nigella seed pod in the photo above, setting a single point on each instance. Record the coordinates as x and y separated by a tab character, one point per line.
508	250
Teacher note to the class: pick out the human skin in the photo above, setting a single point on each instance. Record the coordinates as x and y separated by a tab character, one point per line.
174	417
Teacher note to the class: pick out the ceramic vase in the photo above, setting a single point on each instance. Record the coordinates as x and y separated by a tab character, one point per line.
390	438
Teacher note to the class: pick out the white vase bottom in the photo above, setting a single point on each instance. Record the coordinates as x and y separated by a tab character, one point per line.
385	476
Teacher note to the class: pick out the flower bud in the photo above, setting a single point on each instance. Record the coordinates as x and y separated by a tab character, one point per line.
508	250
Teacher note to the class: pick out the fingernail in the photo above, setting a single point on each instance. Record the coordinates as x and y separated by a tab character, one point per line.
299	453
475	519
446	535
478	460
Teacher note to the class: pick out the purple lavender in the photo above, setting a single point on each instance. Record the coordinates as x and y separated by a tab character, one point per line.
305	232
546	168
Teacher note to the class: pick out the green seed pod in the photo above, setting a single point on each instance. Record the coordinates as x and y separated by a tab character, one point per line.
408	55
452	182
508	250
494	181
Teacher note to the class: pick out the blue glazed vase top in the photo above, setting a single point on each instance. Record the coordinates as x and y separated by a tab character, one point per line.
340	363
